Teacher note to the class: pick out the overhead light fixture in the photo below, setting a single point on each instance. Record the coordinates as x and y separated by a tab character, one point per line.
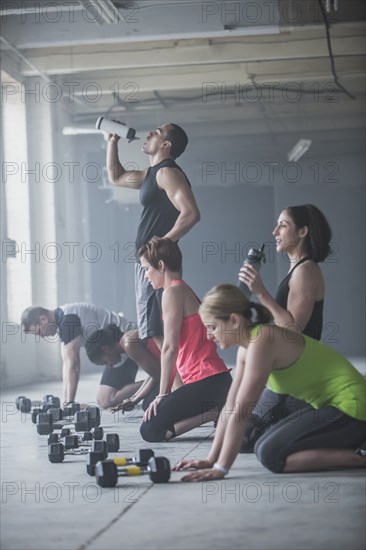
299	150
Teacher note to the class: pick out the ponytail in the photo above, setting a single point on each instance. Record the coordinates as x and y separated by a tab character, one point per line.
262	315
223	300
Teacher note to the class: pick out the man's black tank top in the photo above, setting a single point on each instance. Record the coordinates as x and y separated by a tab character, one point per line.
315	324
158	215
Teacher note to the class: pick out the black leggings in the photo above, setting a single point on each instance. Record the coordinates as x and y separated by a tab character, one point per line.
270	409
187	401
325	428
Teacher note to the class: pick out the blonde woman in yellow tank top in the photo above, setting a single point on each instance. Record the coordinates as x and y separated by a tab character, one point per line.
320	438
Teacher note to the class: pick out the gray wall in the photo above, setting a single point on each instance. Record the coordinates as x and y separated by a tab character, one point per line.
236	215
240	197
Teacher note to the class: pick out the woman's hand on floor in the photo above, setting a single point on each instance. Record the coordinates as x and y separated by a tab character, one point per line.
189	463
204	475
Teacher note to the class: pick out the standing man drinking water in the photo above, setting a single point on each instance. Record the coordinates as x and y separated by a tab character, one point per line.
169	209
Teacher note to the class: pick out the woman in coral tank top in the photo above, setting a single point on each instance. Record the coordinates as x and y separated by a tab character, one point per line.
186	349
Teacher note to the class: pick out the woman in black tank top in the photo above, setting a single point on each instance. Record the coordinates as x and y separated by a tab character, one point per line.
314	326
303	233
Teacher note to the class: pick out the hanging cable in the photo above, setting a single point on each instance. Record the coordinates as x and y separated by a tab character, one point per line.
335	77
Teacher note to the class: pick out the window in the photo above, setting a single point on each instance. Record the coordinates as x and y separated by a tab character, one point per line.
16	191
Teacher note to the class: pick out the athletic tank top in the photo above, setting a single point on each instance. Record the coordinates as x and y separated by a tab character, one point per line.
315	323
158	214
197	356
322	377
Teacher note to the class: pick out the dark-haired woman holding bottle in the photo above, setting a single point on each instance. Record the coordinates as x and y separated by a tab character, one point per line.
303	234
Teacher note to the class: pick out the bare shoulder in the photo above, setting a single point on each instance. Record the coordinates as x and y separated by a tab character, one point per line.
308	267
174	293
309	271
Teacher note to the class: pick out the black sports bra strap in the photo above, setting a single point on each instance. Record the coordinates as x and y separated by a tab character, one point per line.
300	262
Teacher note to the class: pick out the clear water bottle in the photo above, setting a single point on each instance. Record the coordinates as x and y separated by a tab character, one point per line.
111	127
255	257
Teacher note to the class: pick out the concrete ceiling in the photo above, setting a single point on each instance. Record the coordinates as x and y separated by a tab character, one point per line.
236	68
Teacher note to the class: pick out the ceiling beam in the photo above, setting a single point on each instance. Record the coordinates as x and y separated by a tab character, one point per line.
235	78
289	47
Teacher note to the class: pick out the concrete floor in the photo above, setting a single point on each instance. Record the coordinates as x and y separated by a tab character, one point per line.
59	506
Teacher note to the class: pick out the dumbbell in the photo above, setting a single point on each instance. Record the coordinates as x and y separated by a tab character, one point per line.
69	412
48	401
57	451
107	472
56	413
61	414
18	399
46	425
83	421
75	441
95	433
70	409
24	404
36	411
57	438
66	412
27	403
141	460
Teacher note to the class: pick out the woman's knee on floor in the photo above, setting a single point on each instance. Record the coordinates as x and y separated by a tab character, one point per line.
269	454
150	433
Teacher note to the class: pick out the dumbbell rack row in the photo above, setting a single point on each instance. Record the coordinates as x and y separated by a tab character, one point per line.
48	416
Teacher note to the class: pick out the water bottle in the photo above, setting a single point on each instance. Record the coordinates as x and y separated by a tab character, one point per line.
255	258
111	127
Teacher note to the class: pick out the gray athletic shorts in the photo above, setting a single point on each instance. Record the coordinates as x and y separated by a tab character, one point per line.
148	306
